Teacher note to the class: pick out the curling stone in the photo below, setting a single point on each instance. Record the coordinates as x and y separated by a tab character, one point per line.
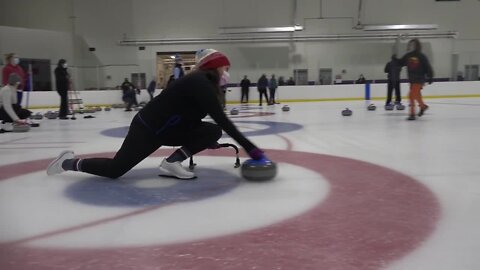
89	110
234	111
400	107
51	115
138	108
347	112
389	107
285	108
371	107
118	106
98	109
258	170
37	116
107	109
21	127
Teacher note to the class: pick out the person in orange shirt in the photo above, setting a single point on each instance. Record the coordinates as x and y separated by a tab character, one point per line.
419	71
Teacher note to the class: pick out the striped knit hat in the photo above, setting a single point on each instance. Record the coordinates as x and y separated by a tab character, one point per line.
210	59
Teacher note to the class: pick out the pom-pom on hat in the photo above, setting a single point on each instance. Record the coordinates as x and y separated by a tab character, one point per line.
210	59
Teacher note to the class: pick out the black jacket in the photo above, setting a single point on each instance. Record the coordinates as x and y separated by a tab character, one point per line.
262	83
184	104
393	68
61	78
245	83
128	88
418	67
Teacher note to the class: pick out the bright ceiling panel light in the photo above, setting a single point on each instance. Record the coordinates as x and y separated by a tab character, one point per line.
250	30
399	27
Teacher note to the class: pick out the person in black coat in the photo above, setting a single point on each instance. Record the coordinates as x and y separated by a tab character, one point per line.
262	85
172	118
129	94
62	79
393	70
245	85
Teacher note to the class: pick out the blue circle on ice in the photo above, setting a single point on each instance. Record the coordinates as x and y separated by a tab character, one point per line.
128	192
271	128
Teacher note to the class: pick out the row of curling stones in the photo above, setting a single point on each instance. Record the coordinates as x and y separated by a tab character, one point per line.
390	107
235	111
258	170
372	107
51	115
37	116
348	112
87	110
54	114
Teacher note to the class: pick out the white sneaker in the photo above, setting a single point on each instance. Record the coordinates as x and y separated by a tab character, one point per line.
175	169
55	166
7	126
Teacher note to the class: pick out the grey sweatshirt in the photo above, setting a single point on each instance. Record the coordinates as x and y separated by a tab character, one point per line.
8	96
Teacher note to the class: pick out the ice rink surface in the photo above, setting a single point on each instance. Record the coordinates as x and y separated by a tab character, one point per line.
369	191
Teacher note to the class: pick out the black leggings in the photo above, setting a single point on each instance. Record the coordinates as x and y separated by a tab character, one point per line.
244	97
393	85
21	113
263	91
130	98
63	103
141	143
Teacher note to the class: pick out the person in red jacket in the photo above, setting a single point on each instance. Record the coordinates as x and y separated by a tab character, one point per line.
12	66
419	71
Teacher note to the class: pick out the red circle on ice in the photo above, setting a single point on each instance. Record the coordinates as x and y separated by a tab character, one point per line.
371	217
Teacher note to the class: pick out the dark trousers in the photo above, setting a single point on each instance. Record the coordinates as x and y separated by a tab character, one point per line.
63	103
272	95
141	142
393	85
263	92
244	97
130	99
22	113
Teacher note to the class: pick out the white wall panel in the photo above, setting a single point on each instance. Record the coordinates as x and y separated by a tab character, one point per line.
102	23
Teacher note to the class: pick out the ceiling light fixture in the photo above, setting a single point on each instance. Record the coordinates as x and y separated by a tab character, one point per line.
250	30
399	27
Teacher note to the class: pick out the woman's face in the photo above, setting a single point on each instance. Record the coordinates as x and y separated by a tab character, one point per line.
411	46
14	60
221	70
